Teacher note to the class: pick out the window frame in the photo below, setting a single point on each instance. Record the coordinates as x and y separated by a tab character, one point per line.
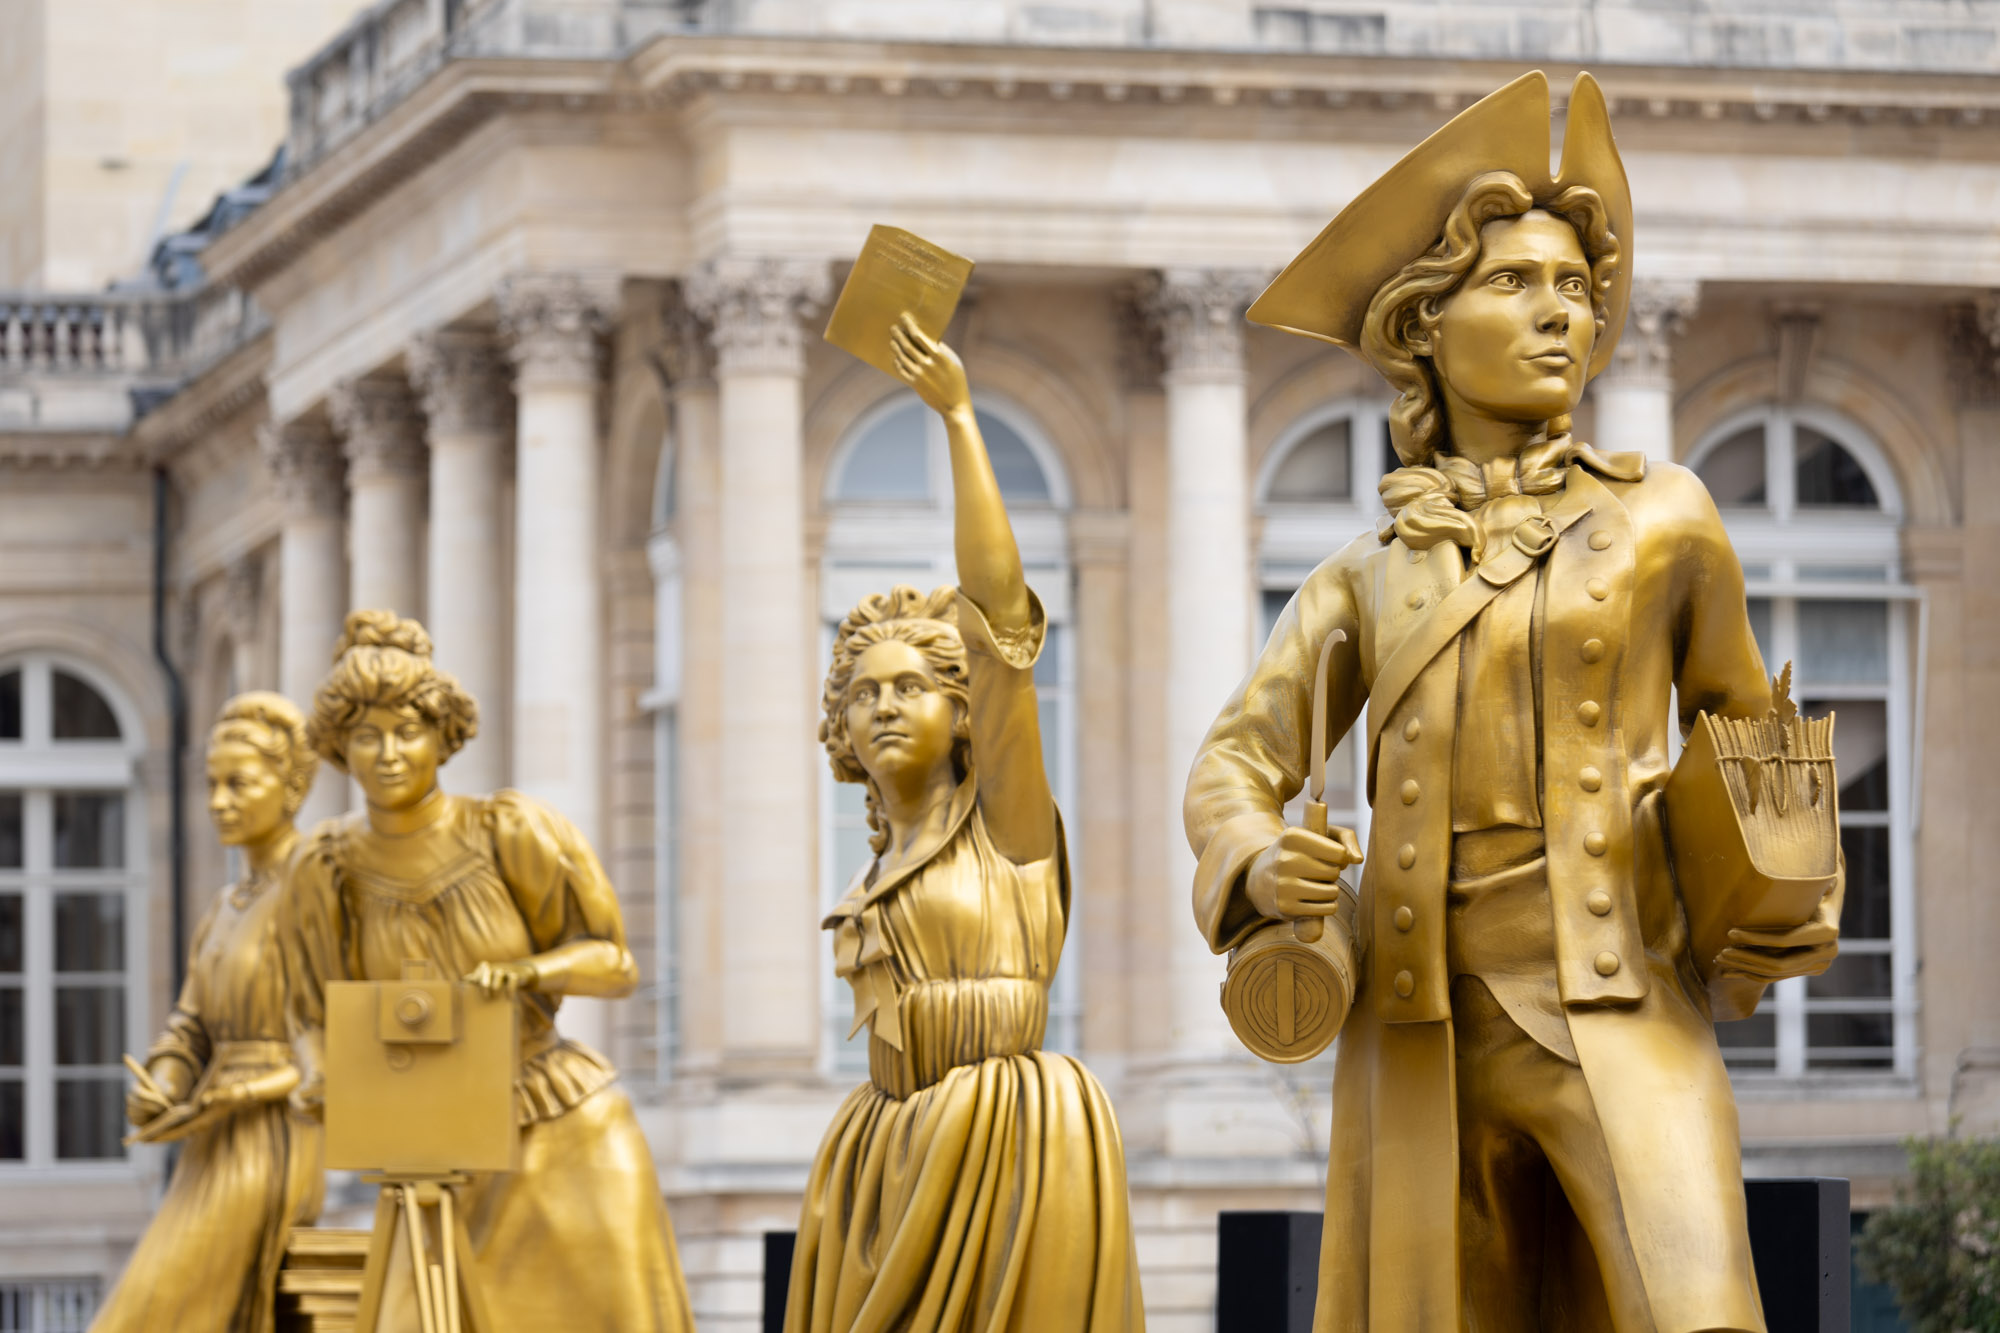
38	766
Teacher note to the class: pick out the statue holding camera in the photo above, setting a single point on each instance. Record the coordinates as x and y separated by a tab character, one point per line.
502	894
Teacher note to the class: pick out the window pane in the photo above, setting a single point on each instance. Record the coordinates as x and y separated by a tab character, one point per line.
80	711
1844	643
851	853
1318	468
1751	1043
90	1118
1853	976
13	1123
850	801
1734	470
11	849
90	830
10	705
13	1025
90	932
891	462
1048	667
1274	603
1860	749
1014	465
1828	474
1760	626
1865	914
1850	1030
90	1024
12	925
1050	712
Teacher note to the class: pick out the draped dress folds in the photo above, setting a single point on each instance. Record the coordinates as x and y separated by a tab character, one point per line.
976	1183
578	1238
210	1258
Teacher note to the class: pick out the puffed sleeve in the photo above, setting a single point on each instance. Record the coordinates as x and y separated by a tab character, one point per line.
1717	665
1006	724
557	881
186	1037
1254	759
313	928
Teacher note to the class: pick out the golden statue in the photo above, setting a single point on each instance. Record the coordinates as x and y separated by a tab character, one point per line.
975	1182
503	892
218	1078
1532	1125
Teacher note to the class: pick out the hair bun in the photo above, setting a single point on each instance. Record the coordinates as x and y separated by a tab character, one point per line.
382	629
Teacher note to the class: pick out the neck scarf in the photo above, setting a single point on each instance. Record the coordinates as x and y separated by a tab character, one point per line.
1428	505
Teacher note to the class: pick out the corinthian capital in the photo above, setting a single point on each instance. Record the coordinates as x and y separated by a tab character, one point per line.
377	414
757	309
555	323
1660	310
305	466
461	377
1199	314
687	345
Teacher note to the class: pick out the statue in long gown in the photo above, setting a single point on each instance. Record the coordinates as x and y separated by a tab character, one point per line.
218	1078
1532	1125
503	892
975	1183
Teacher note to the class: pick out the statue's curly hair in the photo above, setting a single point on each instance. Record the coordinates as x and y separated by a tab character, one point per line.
384	661
273	726
1413	300
928	623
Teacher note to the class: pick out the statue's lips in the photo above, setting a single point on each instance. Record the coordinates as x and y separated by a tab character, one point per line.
1557	359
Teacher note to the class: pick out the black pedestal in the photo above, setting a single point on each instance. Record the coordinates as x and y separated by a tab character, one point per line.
777	1277
1267	1272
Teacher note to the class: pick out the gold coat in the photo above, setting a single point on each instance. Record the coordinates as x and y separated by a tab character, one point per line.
1641	595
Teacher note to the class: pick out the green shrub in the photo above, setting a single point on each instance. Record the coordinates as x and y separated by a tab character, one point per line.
1939	1246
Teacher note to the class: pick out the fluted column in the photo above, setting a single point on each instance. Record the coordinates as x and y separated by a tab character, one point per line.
1199	314
306	471
468	410
384	440
768	903
1635	394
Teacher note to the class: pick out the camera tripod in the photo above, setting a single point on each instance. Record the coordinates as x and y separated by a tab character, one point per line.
446	1288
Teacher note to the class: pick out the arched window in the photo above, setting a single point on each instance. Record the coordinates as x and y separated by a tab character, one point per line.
1813	510
889	521
71	908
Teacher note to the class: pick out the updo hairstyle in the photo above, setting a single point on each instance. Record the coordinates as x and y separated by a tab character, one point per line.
273	726
384	661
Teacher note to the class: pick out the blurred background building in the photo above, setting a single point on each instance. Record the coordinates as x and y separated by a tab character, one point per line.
504	313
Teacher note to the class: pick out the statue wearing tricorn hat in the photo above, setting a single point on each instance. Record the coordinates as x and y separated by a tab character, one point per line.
1532	1126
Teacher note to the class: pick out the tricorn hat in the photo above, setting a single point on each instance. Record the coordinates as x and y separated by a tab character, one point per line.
1325	292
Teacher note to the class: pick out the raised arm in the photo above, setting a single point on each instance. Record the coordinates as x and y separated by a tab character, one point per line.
1004	632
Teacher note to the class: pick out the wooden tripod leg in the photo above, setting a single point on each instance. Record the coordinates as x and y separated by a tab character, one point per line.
375	1273
478	1319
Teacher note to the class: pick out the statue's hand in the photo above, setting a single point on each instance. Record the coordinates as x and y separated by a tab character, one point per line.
143	1105
929	367
1298	875
1773	955
494	979
228	1097
308	1099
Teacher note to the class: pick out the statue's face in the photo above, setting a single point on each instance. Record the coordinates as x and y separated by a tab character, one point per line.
394	754
246	795
1514	340
898	720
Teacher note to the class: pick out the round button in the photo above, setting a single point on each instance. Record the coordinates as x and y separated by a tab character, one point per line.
1406	985
1411	791
1593	650
1588	712
1406	856
1589	778
1594	843
1599	540
1598	589
1405	918
1607	963
1412	729
1416	601
1599	903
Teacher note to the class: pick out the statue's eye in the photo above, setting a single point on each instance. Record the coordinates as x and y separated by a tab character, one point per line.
1510	282
1574	287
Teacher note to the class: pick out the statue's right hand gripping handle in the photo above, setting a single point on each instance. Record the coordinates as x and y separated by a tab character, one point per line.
1309	928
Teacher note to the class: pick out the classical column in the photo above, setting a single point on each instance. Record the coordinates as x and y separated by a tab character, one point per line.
1200	318
305	467
769	899
1635	394
384	438
469	410
242	601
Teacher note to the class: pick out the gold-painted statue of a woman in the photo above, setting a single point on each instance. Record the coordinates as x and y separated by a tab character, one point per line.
503	892
975	1183
1532	1125
217	1079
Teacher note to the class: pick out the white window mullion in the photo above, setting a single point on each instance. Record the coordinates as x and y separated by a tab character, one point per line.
1902	852
1780	475
39	938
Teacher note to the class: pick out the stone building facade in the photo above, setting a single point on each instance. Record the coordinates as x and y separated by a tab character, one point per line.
521	337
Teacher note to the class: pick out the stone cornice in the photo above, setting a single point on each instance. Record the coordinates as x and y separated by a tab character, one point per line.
210	401
69	451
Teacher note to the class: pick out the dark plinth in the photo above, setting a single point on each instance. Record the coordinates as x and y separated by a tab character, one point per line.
1267	1264
777	1277
1267	1272
1799	1236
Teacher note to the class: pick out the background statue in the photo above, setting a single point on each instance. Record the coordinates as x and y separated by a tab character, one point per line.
217	1078
1532	1126
976	1182
504	892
